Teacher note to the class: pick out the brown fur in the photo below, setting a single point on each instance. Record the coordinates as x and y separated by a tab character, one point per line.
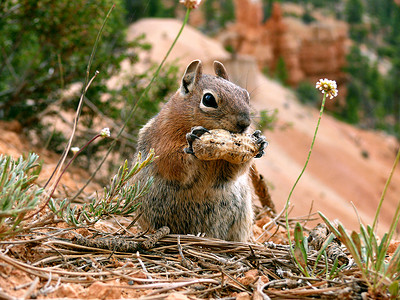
190	195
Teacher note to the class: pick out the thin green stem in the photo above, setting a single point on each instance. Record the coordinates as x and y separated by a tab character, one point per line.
297	180
133	110
377	264
385	189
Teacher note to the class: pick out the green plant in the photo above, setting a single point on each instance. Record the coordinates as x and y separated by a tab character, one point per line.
268	119
370	254
300	248
137	9
303	260
281	72
307	17
18	193
121	198
306	93
354	11
351	112
328	88
44	46
217	14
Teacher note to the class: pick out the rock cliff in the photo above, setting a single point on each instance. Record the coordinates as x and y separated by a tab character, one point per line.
310	51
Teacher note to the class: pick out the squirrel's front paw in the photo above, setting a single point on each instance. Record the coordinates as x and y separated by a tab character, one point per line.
194	134
261	141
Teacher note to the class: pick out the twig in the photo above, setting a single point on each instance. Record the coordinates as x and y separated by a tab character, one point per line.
142	265
48	288
121	244
261	190
240	286
15	242
5	296
29	291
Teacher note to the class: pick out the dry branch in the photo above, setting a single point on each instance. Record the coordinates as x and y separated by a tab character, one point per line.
261	189
121	244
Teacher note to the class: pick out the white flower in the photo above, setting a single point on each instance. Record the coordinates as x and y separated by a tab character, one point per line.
327	86
74	149
190	3
105	132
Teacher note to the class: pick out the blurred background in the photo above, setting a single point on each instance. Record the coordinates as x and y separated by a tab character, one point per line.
275	49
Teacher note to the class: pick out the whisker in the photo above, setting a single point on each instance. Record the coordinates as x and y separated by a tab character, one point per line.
255	89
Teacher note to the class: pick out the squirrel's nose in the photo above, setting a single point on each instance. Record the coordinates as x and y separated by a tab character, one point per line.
243	122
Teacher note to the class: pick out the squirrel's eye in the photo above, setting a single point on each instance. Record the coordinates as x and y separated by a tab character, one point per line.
209	100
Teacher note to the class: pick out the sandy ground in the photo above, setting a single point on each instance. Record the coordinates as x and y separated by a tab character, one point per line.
337	175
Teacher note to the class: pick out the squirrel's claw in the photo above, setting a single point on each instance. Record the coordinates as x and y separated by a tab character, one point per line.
194	134
260	154
189	150
198	131
257	133
261	141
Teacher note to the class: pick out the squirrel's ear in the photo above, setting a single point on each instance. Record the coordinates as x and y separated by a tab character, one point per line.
192	75
220	70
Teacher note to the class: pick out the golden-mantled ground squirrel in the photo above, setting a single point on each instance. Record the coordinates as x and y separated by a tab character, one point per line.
190	195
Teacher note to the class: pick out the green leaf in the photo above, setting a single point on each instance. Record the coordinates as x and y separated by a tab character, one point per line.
328	240
381	253
357	242
5	166
352	248
329	224
368	244
300	250
373	240
332	273
18	194
394	290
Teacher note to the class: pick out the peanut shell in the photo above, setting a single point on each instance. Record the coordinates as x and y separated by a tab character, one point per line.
221	144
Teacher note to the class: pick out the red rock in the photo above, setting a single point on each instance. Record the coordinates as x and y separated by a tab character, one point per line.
309	51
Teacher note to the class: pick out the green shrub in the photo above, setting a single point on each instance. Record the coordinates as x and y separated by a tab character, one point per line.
46	45
307	93
18	193
350	113
268	119
281	72
120	198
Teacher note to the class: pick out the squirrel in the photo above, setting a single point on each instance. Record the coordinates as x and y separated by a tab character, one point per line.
189	195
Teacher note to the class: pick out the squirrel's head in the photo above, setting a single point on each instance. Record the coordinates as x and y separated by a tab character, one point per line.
216	102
